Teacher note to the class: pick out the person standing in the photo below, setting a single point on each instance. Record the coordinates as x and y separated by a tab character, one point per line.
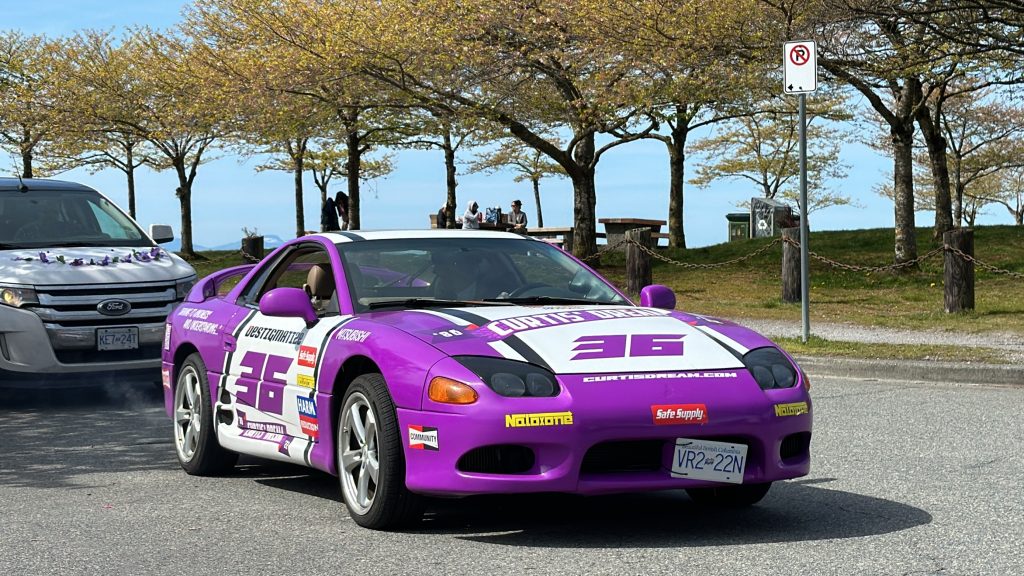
446	217
329	216
517	219
341	203
473	217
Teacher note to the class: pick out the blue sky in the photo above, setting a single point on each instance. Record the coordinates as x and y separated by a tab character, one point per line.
632	180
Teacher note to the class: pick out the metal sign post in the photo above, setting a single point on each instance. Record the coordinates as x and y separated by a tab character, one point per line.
800	76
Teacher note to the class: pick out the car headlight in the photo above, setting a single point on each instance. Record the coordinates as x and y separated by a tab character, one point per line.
511	378
17	297
182	288
770	368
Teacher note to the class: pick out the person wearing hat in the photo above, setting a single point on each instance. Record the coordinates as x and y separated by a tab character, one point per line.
517	219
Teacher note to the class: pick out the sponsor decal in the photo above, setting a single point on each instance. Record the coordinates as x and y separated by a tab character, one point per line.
201	326
308	421
352	335
284	444
791	409
658	376
423	438
508	326
273	335
307	356
263	436
269	427
305	380
538	419
622	345
186	312
167	336
679	414
165	377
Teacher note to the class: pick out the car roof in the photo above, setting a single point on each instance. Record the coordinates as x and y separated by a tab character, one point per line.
16	184
361	235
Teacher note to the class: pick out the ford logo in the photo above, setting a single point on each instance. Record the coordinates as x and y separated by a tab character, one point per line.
114	307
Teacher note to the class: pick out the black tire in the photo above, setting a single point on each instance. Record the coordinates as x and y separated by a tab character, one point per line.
384	503
738	496
195	439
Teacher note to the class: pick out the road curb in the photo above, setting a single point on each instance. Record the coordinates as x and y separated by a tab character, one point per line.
951	372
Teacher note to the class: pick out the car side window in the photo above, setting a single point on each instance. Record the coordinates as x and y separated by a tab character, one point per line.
306	267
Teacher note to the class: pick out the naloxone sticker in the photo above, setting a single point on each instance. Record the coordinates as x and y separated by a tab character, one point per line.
679	414
507	326
622	345
539	419
423	438
307	356
792	409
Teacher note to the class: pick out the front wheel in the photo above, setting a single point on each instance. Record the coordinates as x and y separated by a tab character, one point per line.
371	466
195	440
738	496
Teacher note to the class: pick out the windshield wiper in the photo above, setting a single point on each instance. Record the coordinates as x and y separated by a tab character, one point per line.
550	300
431	303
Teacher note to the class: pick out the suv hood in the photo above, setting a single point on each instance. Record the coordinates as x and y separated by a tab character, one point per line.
85	266
583	339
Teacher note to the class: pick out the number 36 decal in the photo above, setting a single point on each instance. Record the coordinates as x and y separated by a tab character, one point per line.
621	345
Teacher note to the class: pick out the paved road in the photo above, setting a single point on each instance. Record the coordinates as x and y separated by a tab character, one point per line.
907	478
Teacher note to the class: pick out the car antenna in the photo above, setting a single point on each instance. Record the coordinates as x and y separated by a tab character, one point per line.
21	183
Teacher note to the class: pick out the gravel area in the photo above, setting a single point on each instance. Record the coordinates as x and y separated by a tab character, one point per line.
1012	344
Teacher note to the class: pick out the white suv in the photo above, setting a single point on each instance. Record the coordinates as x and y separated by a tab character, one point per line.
83	290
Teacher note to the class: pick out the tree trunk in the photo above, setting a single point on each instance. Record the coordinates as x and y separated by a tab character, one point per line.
931	130
903	181
584	199
352	167
677	173
449	169
536	198
300	214
958	186
26	163
130	173
184	193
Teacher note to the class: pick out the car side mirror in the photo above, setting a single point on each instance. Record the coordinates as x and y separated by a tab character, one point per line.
288	303
161	233
658	296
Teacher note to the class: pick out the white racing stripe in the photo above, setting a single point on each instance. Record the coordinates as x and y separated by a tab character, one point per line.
725	340
507	351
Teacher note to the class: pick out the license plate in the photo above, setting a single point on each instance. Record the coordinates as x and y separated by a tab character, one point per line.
117	338
707	460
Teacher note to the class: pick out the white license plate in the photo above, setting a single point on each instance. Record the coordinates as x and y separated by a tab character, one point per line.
707	460
117	338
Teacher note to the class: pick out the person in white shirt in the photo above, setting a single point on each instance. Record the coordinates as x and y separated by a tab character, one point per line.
473	217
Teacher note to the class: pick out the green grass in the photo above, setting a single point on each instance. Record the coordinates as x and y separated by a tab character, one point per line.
820	347
911	300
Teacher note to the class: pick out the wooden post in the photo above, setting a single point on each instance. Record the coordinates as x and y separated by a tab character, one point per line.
638	262
567	241
958	274
252	246
790	265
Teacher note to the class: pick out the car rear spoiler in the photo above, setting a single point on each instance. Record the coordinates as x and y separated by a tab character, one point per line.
210	286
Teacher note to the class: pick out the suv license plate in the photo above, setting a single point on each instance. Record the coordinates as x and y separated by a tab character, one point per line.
707	460
117	338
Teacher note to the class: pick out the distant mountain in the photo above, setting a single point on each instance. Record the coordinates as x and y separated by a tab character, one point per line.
269	241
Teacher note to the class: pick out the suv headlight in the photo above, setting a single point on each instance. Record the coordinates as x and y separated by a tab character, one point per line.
511	378
182	287
770	368
17	297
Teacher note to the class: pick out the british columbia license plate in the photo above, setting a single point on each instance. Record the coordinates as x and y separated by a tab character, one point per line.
708	460
117	338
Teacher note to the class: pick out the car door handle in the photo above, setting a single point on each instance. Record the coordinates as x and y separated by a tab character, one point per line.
229	343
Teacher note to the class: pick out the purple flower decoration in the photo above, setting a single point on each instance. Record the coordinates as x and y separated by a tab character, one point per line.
77	262
105	261
155	252
43	258
127	259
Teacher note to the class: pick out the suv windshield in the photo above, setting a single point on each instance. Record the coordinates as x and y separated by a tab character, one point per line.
51	218
400	272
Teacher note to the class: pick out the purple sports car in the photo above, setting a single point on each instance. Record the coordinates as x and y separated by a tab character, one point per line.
460	362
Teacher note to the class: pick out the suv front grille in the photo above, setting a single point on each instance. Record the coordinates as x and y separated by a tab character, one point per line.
76	307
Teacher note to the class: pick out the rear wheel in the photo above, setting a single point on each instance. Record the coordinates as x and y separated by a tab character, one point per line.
371	465
195	440
737	496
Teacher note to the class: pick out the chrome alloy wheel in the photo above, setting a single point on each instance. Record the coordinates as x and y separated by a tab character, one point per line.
188	412
357	452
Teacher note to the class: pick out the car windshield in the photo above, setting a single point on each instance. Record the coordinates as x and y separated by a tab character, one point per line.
383	273
57	218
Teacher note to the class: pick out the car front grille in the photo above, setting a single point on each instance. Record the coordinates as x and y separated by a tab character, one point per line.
76	306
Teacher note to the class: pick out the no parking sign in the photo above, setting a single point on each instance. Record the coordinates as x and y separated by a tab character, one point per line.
800	67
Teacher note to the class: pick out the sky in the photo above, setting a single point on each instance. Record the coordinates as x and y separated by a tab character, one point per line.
229	194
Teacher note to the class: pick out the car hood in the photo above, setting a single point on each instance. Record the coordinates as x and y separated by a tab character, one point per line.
583	339
64	266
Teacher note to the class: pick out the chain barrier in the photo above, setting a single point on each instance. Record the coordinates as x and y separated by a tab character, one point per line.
596	255
233	255
833	263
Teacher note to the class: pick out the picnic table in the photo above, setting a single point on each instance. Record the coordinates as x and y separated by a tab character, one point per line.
615	228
